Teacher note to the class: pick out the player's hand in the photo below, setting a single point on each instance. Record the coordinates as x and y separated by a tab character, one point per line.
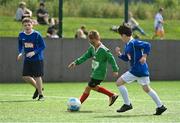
30	54
115	74
117	51
143	59
72	65
19	56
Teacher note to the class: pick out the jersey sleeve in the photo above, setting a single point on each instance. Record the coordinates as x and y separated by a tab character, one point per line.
20	44
146	46
123	57
41	44
112	61
84	57
127	50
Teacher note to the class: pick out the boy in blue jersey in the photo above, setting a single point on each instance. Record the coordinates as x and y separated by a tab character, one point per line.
31	45
135	52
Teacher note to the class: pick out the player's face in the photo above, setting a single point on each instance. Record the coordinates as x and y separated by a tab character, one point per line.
28	27
92	41
123	37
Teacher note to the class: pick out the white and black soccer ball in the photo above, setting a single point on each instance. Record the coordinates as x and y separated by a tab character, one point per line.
73	104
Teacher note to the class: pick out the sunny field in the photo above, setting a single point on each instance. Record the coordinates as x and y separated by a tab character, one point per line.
17	106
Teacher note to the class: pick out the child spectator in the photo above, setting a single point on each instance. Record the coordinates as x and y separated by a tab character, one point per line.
158	24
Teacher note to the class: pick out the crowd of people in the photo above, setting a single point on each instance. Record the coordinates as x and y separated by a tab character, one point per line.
42	18
133	23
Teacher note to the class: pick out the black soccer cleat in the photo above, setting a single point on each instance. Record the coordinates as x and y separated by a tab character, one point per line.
41	98
160	110
35	95
125	107
112	99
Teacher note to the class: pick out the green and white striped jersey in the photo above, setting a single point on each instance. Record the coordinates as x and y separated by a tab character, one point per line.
100	59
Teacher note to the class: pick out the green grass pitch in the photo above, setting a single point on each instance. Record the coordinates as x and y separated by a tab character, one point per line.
16	104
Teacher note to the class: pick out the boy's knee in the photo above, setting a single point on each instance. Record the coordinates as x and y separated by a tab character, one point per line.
87	89
146	88
25	77
120	82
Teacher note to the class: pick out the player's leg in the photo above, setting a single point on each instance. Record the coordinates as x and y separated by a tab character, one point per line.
27	76
27	73
39	83
112	96
125	78
85	94
155	33
144	81
94	85
38	72
161	34
30	80
139	29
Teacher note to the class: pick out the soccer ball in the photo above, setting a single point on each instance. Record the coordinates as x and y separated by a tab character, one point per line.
73	104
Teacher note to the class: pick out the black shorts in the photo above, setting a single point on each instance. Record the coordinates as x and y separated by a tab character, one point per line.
33	68
94	82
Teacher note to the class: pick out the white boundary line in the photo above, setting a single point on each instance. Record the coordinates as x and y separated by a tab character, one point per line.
92	98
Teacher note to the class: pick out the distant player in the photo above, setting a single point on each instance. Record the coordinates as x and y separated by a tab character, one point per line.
100	56
135	53
31	45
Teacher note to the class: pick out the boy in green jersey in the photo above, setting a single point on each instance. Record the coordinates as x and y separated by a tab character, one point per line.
101	56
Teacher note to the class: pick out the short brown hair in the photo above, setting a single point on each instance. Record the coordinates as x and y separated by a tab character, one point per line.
125	29
93	34
26	20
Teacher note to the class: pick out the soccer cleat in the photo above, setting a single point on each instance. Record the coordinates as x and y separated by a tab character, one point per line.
160	110
112	99
35	95
41	98
125	107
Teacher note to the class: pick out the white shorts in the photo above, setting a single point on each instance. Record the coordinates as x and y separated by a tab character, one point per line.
129	77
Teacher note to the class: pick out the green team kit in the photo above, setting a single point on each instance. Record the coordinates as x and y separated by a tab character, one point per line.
100	58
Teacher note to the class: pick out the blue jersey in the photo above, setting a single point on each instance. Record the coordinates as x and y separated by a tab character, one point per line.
136	49
32	42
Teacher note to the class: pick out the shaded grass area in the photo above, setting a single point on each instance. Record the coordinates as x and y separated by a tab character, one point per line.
16	104
10	28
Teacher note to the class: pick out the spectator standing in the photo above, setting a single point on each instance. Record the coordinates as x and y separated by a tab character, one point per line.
22	12
158	24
